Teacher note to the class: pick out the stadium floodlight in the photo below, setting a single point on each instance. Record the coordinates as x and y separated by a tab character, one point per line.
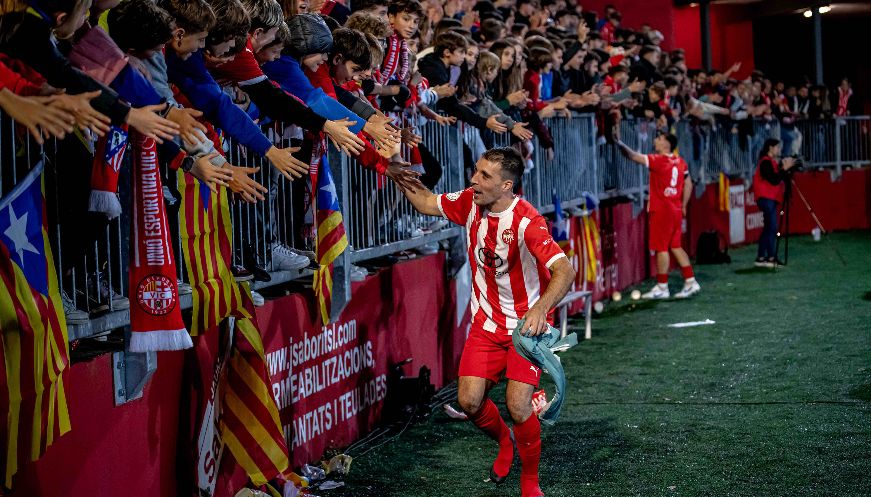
825	9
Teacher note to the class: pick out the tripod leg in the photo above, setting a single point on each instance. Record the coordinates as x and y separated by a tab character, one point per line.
808	207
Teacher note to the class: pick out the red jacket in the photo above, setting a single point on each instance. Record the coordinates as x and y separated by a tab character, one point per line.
532	84
763	188
18	77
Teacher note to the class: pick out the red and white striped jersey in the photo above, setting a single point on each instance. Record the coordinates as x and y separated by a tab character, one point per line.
510	253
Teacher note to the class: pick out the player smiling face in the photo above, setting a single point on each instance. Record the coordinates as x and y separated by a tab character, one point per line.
489	184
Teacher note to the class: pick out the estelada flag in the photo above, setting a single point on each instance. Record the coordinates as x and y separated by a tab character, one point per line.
331	238
34	346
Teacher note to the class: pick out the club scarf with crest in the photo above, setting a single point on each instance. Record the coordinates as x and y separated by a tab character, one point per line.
34	347
155	314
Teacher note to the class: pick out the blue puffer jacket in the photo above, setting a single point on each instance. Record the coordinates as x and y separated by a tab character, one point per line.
287	72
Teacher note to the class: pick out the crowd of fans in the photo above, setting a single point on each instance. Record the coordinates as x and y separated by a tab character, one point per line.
184	71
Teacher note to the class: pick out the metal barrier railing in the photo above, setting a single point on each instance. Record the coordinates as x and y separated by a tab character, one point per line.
90	264
378	218
833	143
92	261
575	165
618	175
733	149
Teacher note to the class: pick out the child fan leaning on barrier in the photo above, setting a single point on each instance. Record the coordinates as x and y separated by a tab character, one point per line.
94	105
126	24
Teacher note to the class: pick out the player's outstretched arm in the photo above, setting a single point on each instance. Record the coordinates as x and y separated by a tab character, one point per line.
423	200
561	281
631	154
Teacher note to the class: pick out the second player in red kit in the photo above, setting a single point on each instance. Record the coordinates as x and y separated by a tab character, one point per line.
670	190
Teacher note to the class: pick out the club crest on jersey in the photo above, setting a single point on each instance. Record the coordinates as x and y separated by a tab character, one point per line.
508	236
453	196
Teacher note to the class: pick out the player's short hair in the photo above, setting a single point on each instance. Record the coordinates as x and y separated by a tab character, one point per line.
509	159
672	141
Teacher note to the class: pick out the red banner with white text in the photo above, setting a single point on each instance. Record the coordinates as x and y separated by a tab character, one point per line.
331	381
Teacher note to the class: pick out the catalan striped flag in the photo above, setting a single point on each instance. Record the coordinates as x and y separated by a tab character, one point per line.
331	238
250	424
592	246
204	224
34	346
723	202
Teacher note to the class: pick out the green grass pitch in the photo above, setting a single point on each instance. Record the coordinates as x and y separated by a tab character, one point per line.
772	400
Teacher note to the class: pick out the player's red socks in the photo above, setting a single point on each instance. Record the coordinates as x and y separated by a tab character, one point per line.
528	437
490	422
687	272
662	279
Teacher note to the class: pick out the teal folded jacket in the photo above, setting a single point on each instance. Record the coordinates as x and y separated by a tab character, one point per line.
539	350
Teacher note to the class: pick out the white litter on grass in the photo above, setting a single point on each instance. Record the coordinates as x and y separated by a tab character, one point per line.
692	323
330	485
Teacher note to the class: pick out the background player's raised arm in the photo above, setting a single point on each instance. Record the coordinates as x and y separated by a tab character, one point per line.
632	154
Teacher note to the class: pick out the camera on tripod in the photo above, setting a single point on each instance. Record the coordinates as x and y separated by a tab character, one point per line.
798	165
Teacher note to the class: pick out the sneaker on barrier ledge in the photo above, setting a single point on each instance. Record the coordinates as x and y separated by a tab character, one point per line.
308	254
73	314
257	299
251	261
283	259
241	274
100	293
437	225
429	249
358	274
